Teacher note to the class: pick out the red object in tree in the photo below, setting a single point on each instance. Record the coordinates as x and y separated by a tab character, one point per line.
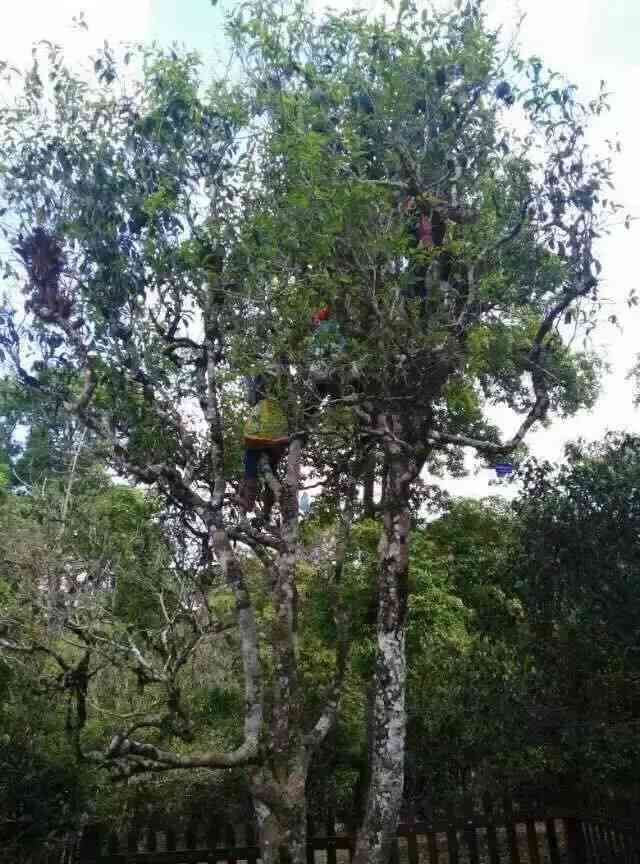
425	232
321	315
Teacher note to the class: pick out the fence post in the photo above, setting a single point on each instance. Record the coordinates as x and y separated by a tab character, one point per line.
331	835
413	853
492	834
151	839
251	840
311	835
510	827
89	846
452	835
575	841
132	839
470	835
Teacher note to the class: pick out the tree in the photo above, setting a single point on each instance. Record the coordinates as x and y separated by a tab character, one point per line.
468	652
40	790
177	240
575	576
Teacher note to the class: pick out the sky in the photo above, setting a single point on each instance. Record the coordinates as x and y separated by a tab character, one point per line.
586	40
26	21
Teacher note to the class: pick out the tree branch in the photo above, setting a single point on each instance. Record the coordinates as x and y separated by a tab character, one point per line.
15	647
538	377
327	719
122	747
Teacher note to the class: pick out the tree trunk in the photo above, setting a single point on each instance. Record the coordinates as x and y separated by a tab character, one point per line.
279	792
384	796
281	812
286	698
369	482
364	774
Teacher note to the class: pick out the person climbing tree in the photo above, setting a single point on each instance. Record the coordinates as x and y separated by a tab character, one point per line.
326	343
331	368
424	225
265	435
265	431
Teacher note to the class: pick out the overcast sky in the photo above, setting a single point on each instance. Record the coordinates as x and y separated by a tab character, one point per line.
587	40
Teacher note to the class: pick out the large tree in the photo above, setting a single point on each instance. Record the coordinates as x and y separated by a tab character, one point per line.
436	192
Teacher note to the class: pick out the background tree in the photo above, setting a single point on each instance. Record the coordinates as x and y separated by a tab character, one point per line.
544	645
576	579
176	240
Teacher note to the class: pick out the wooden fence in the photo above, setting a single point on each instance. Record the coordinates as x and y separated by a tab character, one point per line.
494	833
604	842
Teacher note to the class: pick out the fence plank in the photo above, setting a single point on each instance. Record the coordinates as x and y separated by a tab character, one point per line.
622	846
619	836
213	834
191	835
628	848
470	832
90	842
610	843
492	835
625	845
394	857
634	846
113	844
621	843
171	839
426	829
510	827
452	837
413	853
613	842
575	841
311	853
230	842
151	836
589	842
605	850
132	836
432	846
331	833
253	851
612	839
600	852
184	856
532	842
552	841
595	840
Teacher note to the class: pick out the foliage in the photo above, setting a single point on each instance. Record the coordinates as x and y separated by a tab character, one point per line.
576	577
41	790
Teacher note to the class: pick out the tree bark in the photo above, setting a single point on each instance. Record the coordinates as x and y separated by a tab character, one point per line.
369	480
279	791
386	779
285	733
281	812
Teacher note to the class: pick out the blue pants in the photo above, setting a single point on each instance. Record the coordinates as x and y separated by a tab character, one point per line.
252	458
